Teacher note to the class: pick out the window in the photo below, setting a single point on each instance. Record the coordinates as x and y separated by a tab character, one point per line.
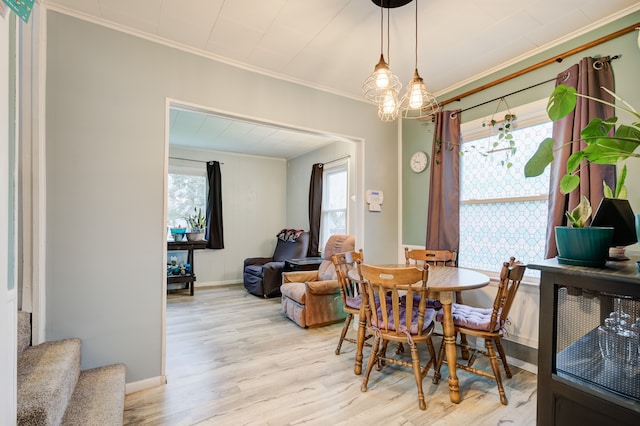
502	213
187	189
335	191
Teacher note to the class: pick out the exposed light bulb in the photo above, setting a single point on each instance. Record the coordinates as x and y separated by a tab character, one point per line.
389	102
382	78
415	95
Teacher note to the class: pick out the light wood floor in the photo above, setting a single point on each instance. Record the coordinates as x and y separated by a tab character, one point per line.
234	359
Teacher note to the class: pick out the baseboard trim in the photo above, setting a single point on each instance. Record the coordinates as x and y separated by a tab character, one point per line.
149	383
523	365
217	283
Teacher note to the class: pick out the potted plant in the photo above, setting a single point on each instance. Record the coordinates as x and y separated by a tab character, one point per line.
579	244
197	224
601	148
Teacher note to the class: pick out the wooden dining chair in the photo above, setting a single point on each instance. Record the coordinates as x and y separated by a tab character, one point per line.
393	317
351	292
487	324
437	258
432	257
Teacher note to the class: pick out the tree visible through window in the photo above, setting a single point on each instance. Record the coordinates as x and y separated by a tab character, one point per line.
502	213
335	191
185	192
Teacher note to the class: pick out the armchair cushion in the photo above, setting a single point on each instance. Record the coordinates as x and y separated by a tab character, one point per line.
296	292
299	276
257	261
335	244
326	271
312	298
323	287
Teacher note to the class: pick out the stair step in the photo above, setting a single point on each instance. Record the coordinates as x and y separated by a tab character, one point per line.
47	374
98	398
24	330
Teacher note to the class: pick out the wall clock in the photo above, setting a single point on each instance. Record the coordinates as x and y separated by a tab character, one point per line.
419	161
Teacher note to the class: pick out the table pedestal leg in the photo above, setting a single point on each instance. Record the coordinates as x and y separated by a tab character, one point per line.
450	346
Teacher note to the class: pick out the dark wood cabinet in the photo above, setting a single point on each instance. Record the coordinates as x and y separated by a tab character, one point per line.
588	375
189	278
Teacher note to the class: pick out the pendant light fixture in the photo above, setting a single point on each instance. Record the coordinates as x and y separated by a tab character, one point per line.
389	106
418	102
389	103
379	85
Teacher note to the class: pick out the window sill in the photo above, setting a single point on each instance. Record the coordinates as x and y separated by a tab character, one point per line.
528	284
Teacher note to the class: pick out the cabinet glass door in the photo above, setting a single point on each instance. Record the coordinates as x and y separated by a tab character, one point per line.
597	340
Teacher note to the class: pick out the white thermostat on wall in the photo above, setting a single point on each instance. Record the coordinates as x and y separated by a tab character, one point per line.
374	199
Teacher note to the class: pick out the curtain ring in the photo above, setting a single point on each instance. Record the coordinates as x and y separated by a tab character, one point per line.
598	65
453	115
565	77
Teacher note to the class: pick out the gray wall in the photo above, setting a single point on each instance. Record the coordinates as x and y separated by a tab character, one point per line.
105	155
299	176
254	196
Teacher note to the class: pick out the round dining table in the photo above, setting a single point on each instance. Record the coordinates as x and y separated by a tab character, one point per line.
443	282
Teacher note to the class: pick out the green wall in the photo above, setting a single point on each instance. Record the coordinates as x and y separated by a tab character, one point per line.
626	75
416	136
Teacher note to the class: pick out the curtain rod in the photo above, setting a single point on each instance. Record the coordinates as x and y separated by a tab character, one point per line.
337	159
522	90
558	58
195	161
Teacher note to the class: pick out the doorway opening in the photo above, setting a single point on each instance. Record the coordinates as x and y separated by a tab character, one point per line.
265	169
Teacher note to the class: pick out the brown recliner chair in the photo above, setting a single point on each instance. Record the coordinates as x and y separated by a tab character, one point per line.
262	275
312	298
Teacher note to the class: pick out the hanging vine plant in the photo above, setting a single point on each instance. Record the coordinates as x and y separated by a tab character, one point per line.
438	150
504	142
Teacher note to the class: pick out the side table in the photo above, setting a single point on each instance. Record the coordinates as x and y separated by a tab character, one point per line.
189	278
303	264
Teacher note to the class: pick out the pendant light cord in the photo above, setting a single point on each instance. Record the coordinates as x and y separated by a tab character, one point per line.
381	30
416	34
388	37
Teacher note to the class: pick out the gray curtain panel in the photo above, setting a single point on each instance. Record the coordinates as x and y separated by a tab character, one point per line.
443	222
588	77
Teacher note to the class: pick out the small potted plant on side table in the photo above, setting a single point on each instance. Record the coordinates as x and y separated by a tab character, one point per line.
579	244
197	224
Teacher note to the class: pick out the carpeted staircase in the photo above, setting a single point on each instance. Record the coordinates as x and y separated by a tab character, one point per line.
53	391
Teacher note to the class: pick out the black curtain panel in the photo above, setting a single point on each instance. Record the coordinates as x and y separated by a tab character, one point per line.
214	233
315	209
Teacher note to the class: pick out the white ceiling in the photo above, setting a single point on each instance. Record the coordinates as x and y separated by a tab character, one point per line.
202	130
334	44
